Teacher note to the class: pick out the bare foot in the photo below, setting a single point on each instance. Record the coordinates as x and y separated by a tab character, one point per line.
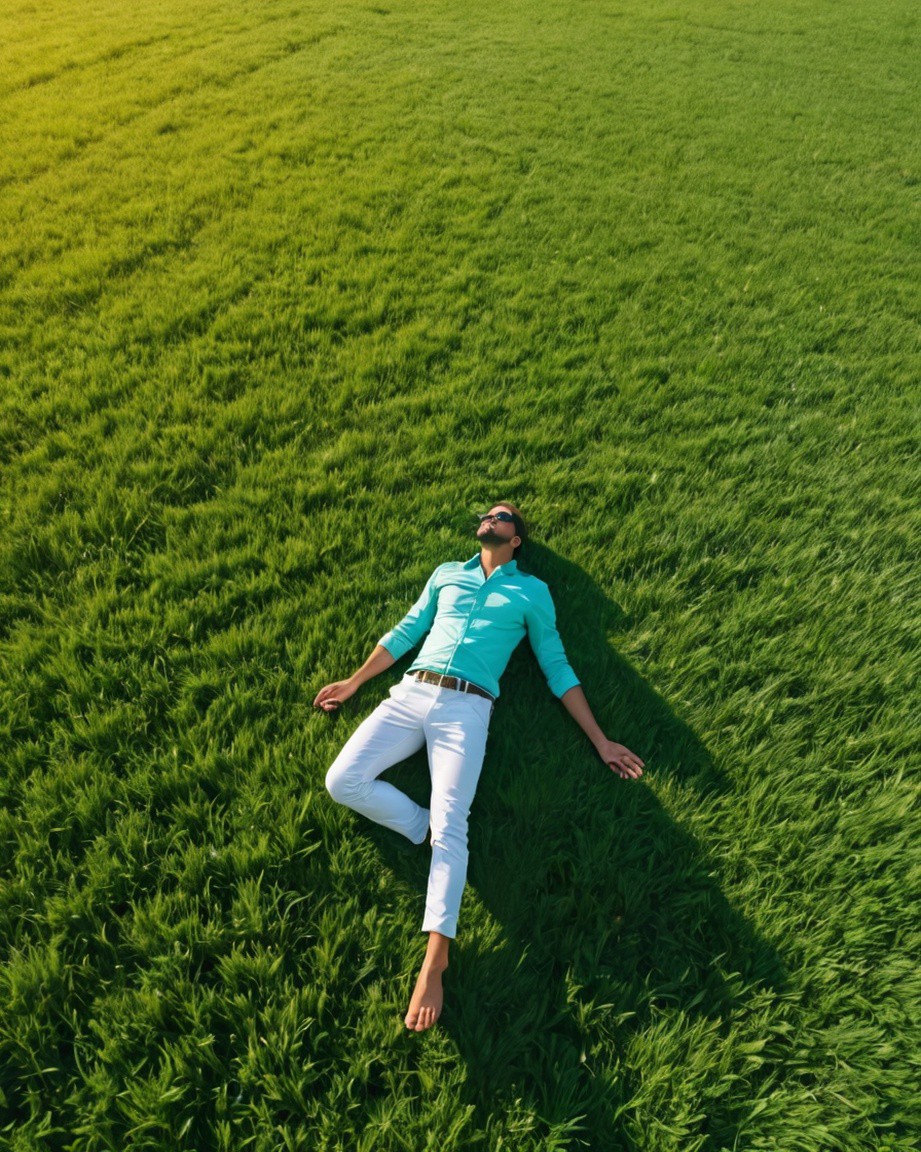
427	1000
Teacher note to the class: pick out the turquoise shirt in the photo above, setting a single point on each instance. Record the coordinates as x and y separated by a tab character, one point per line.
476	624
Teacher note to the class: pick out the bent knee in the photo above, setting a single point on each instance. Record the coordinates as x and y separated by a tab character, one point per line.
338	784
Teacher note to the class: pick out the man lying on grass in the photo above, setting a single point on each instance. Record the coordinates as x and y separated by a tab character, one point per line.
475	614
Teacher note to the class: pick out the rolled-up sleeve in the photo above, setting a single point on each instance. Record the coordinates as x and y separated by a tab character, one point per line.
547	645
417	621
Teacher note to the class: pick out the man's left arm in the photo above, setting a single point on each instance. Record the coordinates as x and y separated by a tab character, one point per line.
564	684
618	758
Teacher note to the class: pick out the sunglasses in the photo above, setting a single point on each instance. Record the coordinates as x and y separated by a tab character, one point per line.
504	517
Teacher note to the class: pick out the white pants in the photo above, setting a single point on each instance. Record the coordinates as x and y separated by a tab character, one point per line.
454	726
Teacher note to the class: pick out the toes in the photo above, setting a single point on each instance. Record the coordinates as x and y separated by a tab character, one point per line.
424	1009
420	1021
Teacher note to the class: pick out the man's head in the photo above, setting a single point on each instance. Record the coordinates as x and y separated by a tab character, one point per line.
503	524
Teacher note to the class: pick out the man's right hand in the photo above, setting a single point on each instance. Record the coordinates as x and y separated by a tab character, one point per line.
330	697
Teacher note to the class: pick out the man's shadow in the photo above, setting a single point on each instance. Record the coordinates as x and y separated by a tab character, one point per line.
607	911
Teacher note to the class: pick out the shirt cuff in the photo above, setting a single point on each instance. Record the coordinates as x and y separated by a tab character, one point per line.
394	645
561	684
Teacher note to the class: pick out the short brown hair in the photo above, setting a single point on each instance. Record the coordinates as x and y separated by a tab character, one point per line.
521	529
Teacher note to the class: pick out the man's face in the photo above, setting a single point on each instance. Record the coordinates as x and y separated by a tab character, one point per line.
493	531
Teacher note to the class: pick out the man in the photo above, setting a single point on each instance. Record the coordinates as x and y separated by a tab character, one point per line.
475	613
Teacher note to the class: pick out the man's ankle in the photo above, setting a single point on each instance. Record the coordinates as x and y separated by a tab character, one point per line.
436	954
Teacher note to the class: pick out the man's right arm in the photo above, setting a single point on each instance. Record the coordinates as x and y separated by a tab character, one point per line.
391	647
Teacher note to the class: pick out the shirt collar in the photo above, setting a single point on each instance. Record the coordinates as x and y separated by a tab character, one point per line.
505	569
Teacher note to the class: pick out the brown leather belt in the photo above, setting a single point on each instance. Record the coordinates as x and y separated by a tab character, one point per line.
451	682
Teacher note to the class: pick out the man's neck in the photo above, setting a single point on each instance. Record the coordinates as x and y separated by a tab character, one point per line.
493	558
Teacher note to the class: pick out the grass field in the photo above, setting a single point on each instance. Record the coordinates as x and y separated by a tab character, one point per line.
287	293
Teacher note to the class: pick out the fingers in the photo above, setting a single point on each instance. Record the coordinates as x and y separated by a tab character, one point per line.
630	764
626	767
326	700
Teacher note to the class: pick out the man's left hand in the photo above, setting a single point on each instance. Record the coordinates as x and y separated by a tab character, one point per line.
621	760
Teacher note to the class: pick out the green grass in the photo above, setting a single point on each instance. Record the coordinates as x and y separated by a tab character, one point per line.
288	291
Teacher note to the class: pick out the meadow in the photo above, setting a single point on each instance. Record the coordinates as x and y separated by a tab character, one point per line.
289	292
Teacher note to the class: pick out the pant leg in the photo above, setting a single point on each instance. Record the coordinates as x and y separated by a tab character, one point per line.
393	731
456	730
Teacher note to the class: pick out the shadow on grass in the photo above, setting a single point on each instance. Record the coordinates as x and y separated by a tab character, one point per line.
610	917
